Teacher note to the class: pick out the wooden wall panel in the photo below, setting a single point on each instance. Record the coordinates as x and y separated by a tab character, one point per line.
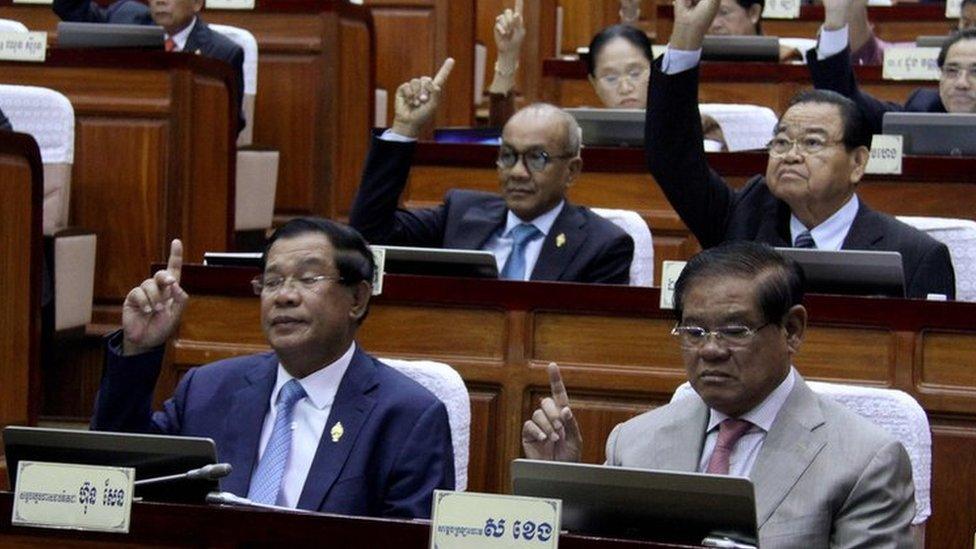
432	335
584	18
641	342
484	457
953	457
949	360
862	356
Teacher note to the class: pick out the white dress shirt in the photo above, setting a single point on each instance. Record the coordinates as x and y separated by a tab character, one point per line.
830	234
832	42
179	39
500	243
747	449
308	422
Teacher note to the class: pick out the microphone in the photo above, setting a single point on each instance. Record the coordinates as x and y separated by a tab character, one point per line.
213	471
227	498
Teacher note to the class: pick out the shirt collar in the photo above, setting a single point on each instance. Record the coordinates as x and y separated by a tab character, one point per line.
830	234
544	222
320	386
763	415
181	37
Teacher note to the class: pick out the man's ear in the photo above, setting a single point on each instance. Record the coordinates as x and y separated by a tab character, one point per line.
795	324
859	162
755	12
575	166
197	6
361	294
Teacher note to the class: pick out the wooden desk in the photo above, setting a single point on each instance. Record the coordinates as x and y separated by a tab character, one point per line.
314	104
899	23
618	360
154	153
768	84
618	178
22	188
166	525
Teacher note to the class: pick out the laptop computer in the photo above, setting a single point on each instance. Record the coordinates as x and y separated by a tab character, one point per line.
622	502
152	456
952	134
931	41
740	48
610	127
850	272
99	35
440	262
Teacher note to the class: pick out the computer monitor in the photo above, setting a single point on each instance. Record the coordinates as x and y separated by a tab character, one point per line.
952	134
931	41
610	127
740	48
665	506
98	35
469	136
850	272
440	262
151	455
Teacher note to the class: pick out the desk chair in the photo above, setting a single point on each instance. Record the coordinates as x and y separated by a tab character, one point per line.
959	235
642	266
49	117
897	413
257	169
746	127
447	385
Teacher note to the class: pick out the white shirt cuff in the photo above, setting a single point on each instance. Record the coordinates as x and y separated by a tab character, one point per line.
390	135
832	42
676	61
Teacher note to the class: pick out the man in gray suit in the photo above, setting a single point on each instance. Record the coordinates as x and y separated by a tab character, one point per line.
824	476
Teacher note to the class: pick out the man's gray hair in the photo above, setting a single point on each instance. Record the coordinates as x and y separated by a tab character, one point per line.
573	133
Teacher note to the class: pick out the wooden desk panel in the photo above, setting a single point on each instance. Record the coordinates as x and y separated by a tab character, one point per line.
584	18
617	360
22	188
154	156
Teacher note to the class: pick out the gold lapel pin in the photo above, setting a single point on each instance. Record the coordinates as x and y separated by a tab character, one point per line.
337	431
560	240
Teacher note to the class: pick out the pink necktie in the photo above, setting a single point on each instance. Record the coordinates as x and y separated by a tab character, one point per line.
169	45
729	432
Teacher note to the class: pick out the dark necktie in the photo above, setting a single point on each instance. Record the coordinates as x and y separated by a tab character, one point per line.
804	240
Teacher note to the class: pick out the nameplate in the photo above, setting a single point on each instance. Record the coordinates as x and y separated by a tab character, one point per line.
782	9
23	46
41	2
911	63
886	153
469	520
79	497
230	4
670	271
379	258
953	9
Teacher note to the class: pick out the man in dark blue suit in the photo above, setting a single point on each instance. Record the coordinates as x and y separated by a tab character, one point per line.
830	68
532	230
4	123
317	424
185	30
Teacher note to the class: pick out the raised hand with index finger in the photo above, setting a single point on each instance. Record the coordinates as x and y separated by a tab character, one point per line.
152	310
417	100
692	18
553	433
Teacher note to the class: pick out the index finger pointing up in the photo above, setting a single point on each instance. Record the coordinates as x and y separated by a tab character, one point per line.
556	386
441	77
175	263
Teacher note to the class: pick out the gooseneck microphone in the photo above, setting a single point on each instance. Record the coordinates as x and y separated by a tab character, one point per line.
213	471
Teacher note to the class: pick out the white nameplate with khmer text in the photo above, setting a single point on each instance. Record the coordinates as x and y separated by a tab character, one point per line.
42	2
23	46
886	153
80	497
781	9
469	520
953	9
670	271
230	4
911	63
379	258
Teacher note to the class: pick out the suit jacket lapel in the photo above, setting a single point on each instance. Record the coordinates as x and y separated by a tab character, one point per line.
351	407
198	38
554	258
790	446
244	422
866	233
678	446
774	226
479	223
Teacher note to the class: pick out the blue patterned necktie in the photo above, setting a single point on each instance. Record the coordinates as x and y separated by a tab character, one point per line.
804	240
515	266
266	481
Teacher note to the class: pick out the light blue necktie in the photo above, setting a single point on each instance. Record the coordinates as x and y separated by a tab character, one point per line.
515	266
804	240
266	481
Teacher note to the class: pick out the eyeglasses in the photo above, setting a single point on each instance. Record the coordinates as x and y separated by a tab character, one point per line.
633	76
952	72
535	160
807	145
733	335
272	284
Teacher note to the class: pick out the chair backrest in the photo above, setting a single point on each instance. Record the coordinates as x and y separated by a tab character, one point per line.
447	385
894	411
746	127
959	235
642	266
48	117
9	25
247	42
